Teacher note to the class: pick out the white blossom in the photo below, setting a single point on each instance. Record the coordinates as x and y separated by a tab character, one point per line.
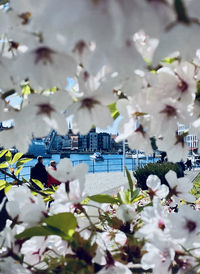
145	45
153	182
91	109
40	66
179	188
34	250
24	207
117	268
185	225
126	213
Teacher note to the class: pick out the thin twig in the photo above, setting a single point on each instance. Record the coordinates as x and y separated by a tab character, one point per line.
21	182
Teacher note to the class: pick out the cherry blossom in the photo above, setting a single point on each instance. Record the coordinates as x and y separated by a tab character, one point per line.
135	124
155	221
91	109
34	250
185	225
126	213
46	110
156	189
145	45
179	188
40	65
159	258
22	206
117	268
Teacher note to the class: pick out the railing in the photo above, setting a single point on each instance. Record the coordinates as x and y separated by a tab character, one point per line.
108	165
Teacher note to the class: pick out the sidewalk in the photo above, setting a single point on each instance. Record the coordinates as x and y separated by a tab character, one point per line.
191	175
97	183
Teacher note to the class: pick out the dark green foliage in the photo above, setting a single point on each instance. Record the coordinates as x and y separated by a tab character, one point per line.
159	169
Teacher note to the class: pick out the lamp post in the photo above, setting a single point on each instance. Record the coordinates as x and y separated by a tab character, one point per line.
123	162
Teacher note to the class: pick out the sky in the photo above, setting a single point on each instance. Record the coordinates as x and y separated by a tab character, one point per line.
112	129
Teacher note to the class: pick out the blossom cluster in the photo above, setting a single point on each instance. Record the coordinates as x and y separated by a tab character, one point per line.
113	63
63	229
90	61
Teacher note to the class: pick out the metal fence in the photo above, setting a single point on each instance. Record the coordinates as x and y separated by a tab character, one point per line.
108	165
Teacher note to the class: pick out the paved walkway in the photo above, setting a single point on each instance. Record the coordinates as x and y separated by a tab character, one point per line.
191	175
97	183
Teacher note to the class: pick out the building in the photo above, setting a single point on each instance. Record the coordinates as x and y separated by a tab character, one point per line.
66	142
104	143
74	138
191	140
57	143
83	142
93	140
115	147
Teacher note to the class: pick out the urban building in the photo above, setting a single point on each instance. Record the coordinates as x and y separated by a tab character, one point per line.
115	147
104	143
83	142
93	140
191	140
66	142
57	143
74	138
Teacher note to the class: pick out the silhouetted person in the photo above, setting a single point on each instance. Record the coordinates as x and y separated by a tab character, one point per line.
3	213
163	156
182	165
51	180
189	164
39	172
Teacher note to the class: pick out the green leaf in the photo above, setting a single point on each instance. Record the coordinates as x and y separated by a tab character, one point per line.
4	165
18	170
103	198
125	196
16	157
39	231
26	90
130	181
24	180
48	199
140	208
8	157
113	110
7	188
38	183
138	198
48	191
169	60
23	161
2	184
3	152
65	222
135	194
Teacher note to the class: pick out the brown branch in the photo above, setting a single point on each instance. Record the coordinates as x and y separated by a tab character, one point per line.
21	182
11	176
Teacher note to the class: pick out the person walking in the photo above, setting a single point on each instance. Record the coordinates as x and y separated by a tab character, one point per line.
39	172
51	181
189	164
